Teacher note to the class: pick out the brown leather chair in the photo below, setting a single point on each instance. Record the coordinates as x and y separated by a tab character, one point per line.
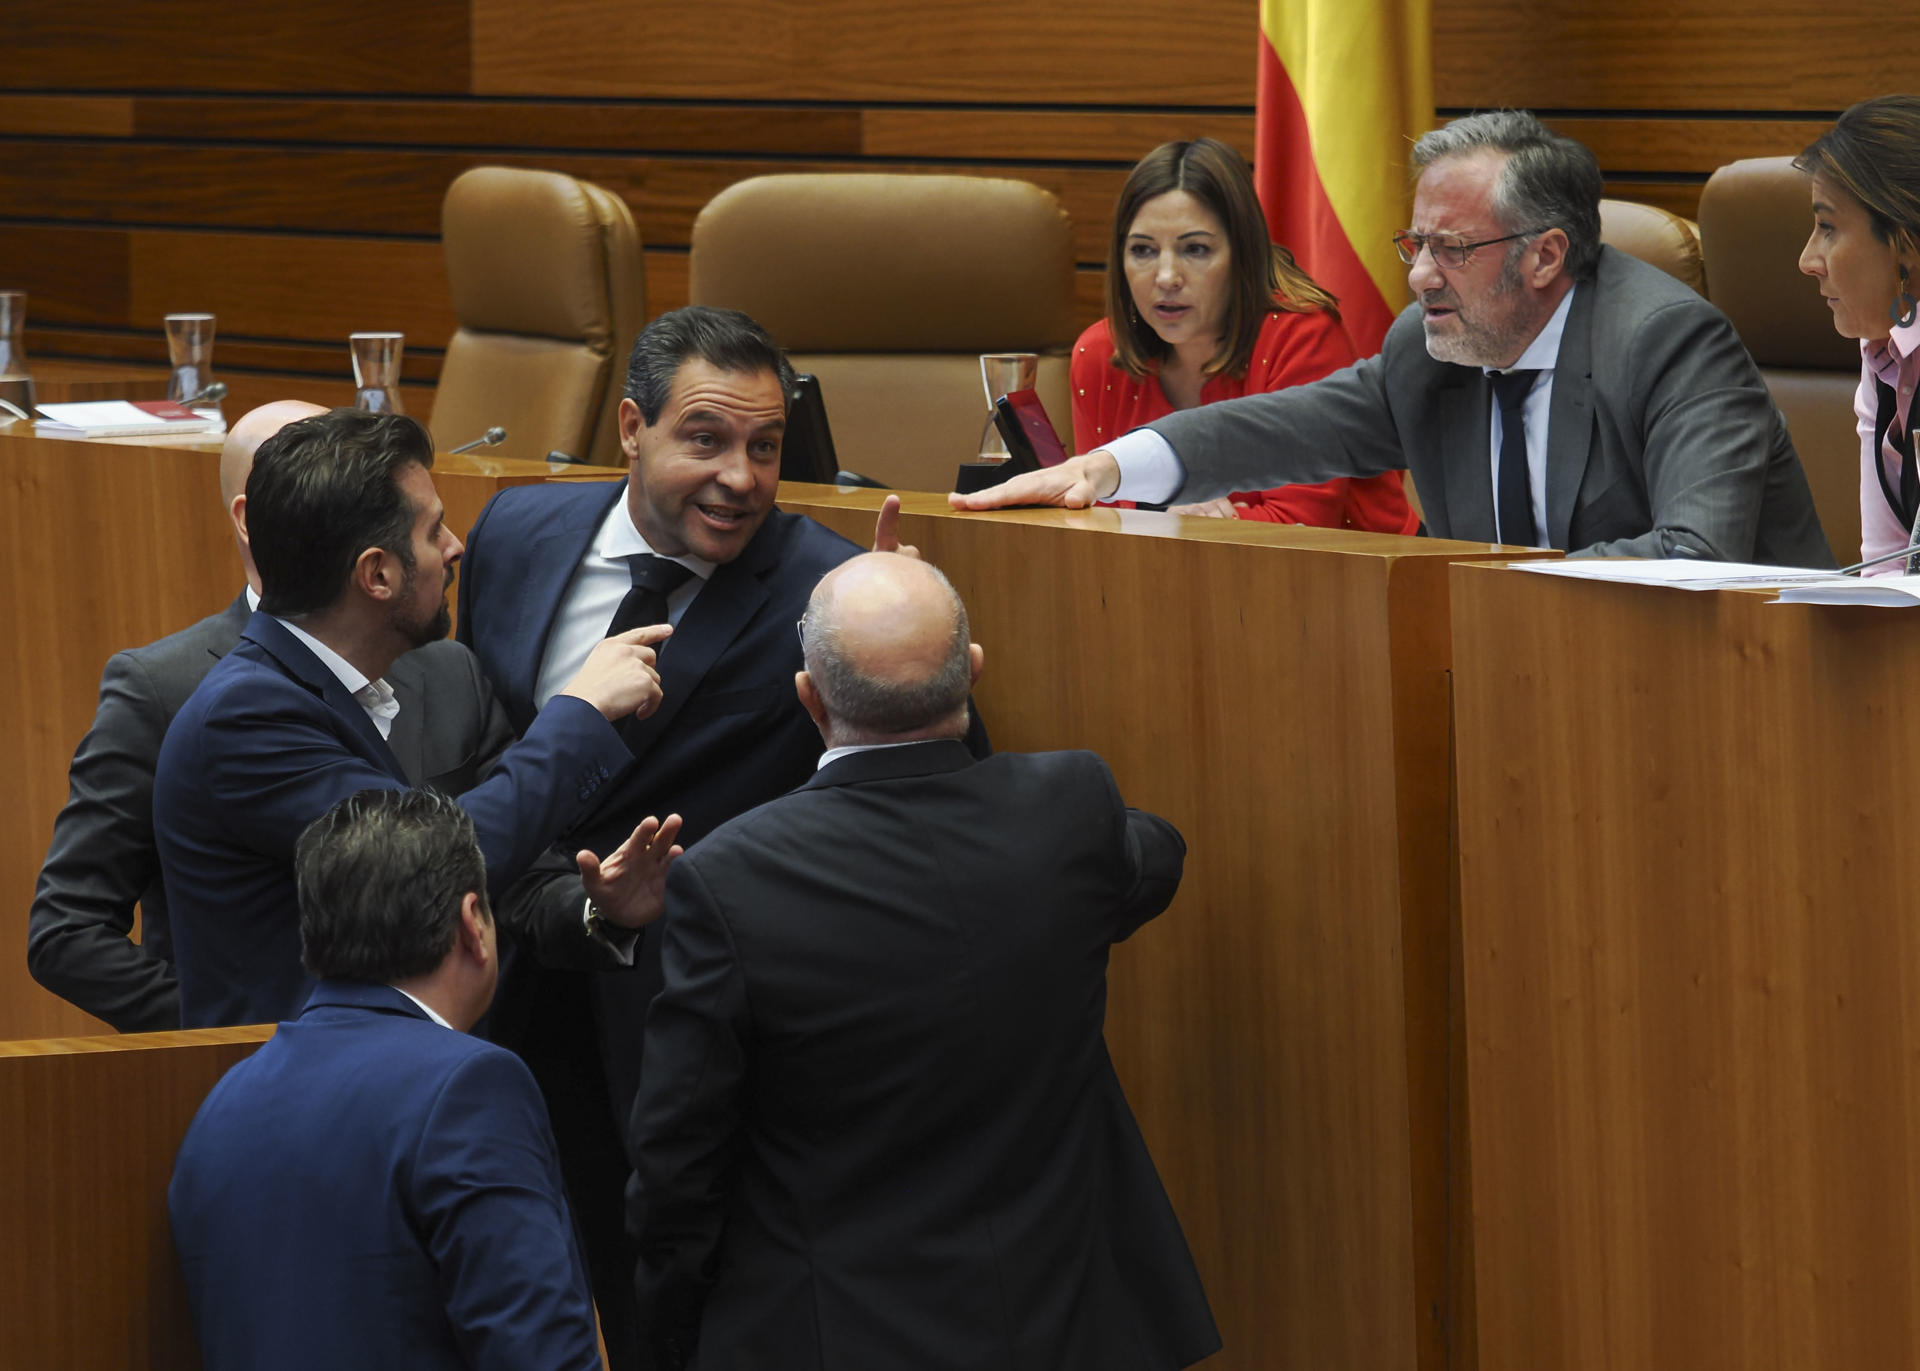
549	288
1657	237
888	288
1754	219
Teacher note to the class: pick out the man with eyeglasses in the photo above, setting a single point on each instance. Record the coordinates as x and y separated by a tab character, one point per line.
1544	390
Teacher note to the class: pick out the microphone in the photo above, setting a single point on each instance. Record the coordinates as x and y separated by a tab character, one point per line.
493	437
211	394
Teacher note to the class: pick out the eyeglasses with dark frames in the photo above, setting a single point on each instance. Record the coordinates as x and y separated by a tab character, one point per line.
1449	253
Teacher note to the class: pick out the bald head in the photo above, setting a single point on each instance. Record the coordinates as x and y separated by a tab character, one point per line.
236	461
887	652
248	432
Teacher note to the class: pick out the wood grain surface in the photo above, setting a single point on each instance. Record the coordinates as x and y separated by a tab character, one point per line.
1691	977
88	1277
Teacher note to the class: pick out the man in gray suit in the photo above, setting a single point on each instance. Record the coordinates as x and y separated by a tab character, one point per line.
1544	390
102	860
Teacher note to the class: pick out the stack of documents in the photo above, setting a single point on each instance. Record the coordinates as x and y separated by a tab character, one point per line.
1796	587
119	418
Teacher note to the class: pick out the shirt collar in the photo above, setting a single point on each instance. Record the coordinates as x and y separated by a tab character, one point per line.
376	697
834	754
1886	356
620	538
1544	351
426	1008
253	598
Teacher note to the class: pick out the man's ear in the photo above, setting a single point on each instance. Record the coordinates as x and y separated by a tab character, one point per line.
237	511
631	422
975	660
1549	258
377	574
473	936
810	700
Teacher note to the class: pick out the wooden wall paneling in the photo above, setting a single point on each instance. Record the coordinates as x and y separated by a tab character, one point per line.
1662	54
1692	977
1044	135
1625	144
993	52
103	116
88	1275
399	192
321	45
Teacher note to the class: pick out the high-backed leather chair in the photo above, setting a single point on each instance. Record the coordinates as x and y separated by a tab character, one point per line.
1657	237
1754	219
549	288
888	288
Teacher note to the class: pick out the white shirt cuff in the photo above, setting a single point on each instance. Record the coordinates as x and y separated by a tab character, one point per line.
1149	472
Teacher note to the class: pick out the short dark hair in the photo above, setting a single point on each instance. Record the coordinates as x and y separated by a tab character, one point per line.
381	877
1873	153
1549	181
1265	276
723	338
324	490
877	707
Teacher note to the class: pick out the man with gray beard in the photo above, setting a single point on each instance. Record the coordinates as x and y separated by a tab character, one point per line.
1544	390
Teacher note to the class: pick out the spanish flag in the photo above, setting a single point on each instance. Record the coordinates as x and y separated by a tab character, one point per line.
1345	87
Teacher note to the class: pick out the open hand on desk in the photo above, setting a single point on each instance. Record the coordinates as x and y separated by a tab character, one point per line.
1220	508
619	677
1074	484
886	530
630	887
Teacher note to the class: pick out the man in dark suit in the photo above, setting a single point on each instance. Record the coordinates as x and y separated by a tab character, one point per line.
354	563
1544	390
691	538
374	1188
102	860
878	1125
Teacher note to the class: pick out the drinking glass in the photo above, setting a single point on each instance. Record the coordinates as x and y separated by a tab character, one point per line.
376	371
16	382
1001	372
190	350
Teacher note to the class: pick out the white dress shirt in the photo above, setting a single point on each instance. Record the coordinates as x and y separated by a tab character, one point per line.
376	697
599	584
426	1008
1150	473
834	754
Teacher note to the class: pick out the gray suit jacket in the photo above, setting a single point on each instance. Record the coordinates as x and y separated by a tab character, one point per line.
102	860
1661	439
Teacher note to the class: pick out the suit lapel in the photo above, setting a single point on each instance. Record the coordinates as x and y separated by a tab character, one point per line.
1570	418
1464	423
723	608
553	554
294	658
408	738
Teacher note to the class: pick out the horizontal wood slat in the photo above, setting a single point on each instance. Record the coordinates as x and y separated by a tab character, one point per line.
331	45
987	52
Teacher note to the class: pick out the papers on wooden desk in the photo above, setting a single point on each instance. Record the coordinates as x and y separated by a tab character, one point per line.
1795	587
118	418
1680	573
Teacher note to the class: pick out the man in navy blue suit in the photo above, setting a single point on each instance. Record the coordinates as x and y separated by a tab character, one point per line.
354	562
691	538
374	1188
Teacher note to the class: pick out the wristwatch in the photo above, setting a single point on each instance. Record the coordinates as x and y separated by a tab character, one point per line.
590	918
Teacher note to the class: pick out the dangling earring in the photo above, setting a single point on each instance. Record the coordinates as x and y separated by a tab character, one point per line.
1904	310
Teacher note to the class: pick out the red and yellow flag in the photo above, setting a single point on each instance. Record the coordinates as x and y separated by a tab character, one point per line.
1345	87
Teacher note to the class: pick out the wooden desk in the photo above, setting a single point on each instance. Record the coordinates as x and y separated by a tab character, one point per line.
88	1279
109	545
1692	976
1281	694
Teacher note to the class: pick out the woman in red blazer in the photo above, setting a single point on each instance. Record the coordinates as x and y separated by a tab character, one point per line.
1202	307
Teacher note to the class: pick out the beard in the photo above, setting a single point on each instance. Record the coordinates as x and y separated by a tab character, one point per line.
419	630
1493	334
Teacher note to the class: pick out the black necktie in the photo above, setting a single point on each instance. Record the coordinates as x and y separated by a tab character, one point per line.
1514	498
654	579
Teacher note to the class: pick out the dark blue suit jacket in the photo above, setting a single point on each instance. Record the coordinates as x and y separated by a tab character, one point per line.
729	734
373	1190
267	744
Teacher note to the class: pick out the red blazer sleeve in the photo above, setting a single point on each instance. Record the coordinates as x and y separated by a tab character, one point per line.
1293	350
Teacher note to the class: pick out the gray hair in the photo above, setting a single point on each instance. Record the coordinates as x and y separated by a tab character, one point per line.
1549	181
869	706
